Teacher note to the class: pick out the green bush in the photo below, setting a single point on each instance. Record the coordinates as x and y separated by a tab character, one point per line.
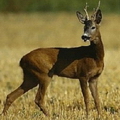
56	5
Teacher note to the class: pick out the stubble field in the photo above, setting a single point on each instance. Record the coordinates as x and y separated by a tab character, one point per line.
21	33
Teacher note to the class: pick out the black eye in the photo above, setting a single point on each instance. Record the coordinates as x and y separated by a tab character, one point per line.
93	28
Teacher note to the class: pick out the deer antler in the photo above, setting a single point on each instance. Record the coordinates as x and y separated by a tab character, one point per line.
94	14
98	6
85	9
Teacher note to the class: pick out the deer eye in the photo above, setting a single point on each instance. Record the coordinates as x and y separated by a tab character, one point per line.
93	28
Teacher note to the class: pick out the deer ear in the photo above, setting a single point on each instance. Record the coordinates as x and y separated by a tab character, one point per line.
80	16
98	16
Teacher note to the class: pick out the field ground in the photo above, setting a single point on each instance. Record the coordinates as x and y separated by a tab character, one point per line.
20	33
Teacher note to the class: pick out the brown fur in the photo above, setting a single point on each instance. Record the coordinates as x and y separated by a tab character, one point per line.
84	63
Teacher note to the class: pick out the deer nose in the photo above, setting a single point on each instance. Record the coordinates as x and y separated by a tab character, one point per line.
85	37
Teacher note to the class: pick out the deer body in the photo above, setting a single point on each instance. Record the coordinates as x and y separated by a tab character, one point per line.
64	62
84	63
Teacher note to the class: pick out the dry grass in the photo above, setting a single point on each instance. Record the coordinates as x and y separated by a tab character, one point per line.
24	32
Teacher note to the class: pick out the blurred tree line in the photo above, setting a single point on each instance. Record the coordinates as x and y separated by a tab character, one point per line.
56	5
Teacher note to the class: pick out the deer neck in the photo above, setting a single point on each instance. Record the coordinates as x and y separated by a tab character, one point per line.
98	47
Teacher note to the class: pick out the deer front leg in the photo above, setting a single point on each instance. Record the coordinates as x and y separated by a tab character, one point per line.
84	88
94	92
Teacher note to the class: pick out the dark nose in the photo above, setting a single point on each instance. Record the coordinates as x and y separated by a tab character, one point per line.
85	38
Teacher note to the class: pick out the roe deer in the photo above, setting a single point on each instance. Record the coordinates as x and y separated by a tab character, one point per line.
84	63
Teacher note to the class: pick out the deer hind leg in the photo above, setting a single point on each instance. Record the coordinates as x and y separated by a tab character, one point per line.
84	87
27	84
39	99
94	92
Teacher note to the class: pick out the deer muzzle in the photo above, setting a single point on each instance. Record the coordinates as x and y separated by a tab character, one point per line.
85	38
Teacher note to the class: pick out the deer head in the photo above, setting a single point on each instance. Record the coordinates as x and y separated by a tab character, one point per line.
91	25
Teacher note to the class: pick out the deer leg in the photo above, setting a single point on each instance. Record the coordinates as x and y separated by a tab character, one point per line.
39	99
94	92
24	87
84	87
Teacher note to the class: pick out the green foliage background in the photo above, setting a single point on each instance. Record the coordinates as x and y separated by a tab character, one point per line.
56	5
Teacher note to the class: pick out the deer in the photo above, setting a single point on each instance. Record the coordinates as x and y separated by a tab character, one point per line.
84	63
